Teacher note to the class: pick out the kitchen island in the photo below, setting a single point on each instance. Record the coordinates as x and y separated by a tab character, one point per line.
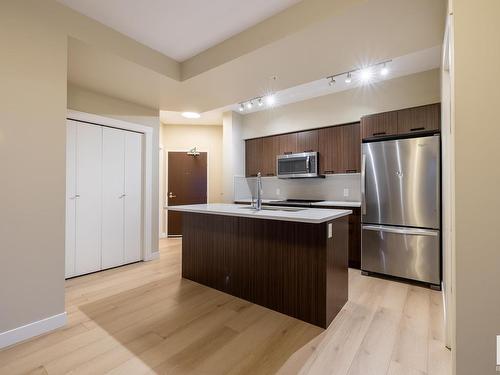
291	260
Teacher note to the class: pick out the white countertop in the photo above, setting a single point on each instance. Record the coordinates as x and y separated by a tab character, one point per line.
322	203
304	215
337	203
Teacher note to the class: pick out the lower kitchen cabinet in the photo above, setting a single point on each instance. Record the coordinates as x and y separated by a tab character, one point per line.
354	235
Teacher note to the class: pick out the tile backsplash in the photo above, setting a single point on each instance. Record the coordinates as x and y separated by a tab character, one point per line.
332	187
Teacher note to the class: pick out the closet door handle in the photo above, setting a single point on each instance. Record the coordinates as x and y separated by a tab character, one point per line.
122	196
75	196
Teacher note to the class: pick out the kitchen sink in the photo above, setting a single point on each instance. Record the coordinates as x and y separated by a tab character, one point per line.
268	208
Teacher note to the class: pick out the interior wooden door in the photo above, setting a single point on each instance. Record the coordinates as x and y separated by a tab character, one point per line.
113	194
133	198
187	184
88	198
70	245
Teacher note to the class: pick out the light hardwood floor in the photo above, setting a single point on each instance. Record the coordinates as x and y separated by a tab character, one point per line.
144	319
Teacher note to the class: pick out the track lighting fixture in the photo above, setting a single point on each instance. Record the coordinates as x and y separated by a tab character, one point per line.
362	74
242	107
259	102
385	70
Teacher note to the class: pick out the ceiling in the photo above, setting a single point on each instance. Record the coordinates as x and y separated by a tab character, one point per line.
384	29
179	29
400	66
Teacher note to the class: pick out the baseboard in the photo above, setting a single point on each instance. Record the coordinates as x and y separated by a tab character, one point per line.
30	330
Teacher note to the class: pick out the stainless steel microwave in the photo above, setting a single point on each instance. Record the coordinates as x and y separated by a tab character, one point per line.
302	165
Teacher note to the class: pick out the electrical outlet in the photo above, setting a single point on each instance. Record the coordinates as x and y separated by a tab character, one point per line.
278	191
346	192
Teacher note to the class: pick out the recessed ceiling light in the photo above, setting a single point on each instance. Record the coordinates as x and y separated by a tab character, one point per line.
191	115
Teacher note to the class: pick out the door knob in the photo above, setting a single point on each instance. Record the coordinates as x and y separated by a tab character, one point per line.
170	195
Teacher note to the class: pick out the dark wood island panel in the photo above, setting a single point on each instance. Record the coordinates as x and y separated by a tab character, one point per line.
290	267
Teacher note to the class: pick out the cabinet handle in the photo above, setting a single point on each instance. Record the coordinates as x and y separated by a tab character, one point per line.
329	172
379	133
307	151
415	129
269	174
287	153
351	171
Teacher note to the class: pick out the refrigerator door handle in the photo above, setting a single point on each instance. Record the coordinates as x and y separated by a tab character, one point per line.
363	184
410	231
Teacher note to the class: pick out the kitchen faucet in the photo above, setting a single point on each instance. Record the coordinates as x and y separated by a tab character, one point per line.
258	203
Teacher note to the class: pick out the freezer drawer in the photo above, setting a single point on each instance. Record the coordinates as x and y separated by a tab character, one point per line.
403	252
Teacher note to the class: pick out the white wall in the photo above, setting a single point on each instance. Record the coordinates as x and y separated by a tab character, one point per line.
330	188
233	152
346	106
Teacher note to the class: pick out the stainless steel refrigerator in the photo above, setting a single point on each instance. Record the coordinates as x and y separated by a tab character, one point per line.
401	207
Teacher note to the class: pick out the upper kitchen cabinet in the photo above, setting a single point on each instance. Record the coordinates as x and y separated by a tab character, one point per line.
271	148
380	124
418	119
330	150
287	143
339	149
253	156
351	148
307	141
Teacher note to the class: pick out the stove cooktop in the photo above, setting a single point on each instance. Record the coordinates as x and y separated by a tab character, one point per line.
296	202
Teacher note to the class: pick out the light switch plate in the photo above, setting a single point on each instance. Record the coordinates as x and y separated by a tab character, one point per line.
346	192
330	230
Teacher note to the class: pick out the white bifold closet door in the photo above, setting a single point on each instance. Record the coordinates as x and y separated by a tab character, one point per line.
104	198
83	203
121	197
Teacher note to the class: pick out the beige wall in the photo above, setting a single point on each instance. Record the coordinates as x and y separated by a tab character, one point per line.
346	106
32	164
80	99
33	75
477	181
207	138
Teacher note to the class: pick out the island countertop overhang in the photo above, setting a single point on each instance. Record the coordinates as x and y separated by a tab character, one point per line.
302	215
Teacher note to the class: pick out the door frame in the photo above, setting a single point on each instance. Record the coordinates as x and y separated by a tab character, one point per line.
165	181
147	183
